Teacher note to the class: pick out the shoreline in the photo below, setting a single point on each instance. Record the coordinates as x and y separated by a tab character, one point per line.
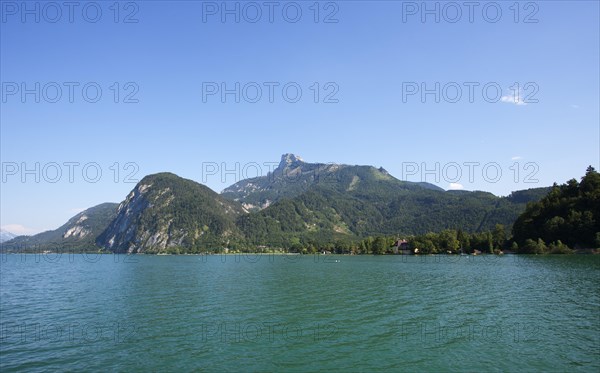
71	252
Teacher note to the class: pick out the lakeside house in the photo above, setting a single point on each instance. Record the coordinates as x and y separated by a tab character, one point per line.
401	247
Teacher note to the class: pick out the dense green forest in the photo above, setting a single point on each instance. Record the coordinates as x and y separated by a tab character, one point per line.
362	201
448	241
569	215
566	218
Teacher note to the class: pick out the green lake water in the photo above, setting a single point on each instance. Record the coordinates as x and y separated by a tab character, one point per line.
279	313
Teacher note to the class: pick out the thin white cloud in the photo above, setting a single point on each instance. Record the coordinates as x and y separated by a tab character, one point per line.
456	186
18	229
512	99
516	158
575	106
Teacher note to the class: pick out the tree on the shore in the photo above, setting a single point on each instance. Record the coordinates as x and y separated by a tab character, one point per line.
570	213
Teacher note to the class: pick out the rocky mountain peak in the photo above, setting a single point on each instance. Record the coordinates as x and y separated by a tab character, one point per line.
289	159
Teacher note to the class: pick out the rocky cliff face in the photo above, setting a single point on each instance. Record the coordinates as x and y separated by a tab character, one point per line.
165	211
290	160
291	178
124	227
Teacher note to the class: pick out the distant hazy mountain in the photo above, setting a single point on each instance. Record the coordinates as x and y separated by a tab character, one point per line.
6	236
79	232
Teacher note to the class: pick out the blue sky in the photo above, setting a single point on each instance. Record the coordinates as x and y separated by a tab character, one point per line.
368	61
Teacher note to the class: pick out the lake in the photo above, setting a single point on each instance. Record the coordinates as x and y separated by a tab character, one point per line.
241	313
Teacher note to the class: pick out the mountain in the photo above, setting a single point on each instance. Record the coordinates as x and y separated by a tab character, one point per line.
293	177
79	233
6	236
165	211
315	202
296	205
322	213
